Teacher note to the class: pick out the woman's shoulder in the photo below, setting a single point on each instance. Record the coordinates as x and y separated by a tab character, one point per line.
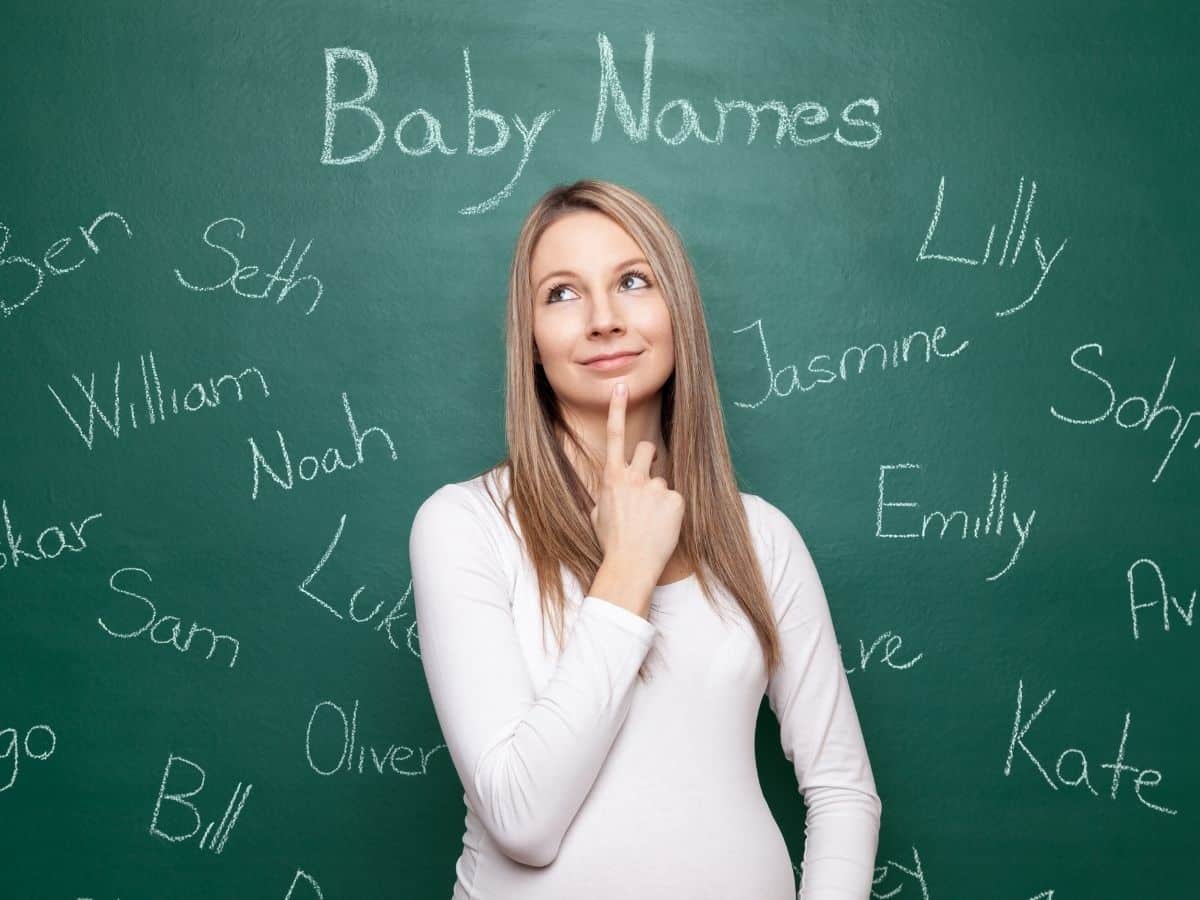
490	489
773	529
473	502
491	483
460	513
761	513
764	512
787	564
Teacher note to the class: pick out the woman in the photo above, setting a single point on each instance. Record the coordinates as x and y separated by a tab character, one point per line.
618	760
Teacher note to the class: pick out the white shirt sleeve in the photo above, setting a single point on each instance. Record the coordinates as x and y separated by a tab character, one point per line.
526	762
819	726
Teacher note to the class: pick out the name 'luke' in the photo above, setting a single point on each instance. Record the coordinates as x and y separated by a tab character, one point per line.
991	526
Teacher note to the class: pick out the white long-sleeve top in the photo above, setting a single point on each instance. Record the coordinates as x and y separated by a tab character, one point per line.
582	782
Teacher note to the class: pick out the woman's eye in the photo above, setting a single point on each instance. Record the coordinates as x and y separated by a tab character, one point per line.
636	275
552	293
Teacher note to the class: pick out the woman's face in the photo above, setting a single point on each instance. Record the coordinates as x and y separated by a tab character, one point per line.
594	294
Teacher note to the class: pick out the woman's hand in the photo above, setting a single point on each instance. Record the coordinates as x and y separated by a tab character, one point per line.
636	518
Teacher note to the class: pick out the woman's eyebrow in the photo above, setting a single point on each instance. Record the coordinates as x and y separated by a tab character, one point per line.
619	265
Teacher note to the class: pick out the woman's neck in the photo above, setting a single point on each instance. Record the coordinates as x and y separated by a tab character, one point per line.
589	470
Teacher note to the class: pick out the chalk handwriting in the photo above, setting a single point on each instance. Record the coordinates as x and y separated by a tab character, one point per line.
345	732
196	398
886	885
894	642
432	125
916	874
309	467
1146	415
1167	600
308	880
396	613
50	543
223	827
1077	771
242	273
791	379
858	127
155	623
1022	530
1044	265
12	742
35	271
809	113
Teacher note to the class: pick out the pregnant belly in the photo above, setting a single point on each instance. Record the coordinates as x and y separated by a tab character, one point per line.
697	845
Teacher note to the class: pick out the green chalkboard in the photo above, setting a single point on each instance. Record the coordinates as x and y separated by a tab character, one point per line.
943	249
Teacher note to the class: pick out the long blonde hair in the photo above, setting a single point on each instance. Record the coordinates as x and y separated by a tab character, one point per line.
551	503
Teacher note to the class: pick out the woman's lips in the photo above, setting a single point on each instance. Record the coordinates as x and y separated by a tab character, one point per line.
615	362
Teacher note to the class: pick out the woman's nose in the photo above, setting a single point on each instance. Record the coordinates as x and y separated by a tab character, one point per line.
604	314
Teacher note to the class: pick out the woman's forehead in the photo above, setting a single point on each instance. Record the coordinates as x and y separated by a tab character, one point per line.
582	250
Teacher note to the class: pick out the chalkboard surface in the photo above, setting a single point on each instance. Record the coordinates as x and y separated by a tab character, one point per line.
252	273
